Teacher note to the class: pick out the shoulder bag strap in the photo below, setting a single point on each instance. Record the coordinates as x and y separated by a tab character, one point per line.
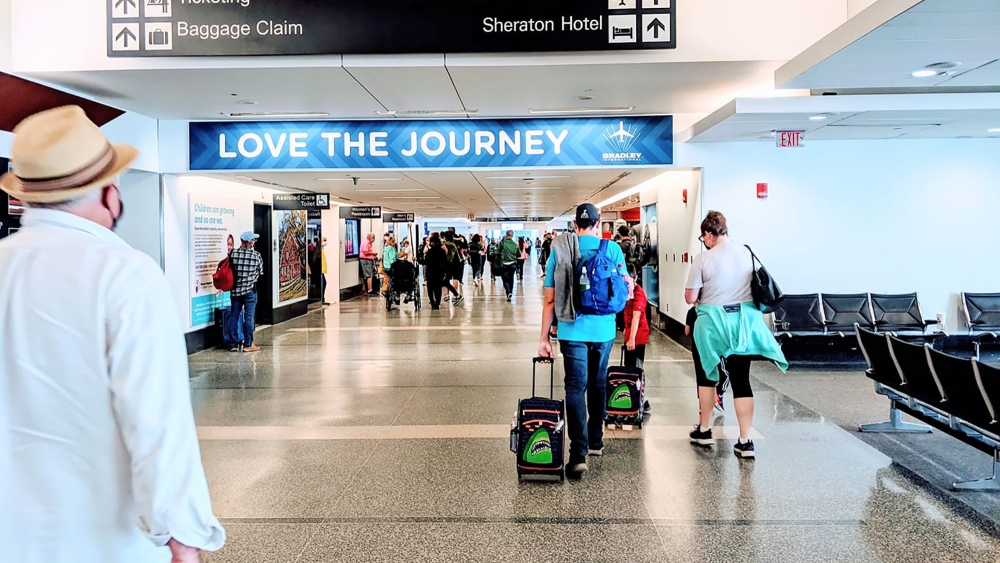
753	258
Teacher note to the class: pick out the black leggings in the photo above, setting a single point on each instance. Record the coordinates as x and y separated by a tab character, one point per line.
435	283
635	358
734	368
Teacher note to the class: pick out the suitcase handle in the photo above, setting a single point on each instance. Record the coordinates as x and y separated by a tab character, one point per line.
552	371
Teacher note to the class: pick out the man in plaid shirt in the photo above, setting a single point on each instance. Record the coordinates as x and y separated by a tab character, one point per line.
247	268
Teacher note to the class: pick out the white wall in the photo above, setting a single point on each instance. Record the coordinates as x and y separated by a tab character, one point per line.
858	216
5	36
678	224
139	131
176	228
140	226
6	139
855	7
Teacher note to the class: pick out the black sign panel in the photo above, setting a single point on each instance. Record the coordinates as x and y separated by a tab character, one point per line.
398	218
361	212
513	219
301	201
174	28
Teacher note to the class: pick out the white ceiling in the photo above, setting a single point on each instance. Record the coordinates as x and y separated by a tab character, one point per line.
361	86
508	193
879	48
915	116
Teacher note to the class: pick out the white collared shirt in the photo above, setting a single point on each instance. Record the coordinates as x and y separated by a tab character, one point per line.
99	458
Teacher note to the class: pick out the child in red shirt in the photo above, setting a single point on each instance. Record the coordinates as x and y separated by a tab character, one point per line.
636	323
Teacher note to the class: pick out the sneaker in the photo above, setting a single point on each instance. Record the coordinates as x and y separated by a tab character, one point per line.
459	299
596	453
702	438
234	349
719	409
646	408
446	299
253	348
509	297
744	451
576	467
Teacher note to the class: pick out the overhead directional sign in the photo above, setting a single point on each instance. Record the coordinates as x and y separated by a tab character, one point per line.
463	144
310	27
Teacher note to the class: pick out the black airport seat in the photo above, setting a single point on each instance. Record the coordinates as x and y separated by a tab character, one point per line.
982	313
989	378
965	399
898	313
799	315
842	312
882	368
913	362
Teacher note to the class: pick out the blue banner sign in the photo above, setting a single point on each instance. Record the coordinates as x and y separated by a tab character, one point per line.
463	144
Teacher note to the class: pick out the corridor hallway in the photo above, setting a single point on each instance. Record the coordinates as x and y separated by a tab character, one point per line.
357	435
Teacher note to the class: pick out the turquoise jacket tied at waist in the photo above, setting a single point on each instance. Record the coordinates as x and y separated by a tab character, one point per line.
719	334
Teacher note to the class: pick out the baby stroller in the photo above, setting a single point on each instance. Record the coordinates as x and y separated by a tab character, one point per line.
402	282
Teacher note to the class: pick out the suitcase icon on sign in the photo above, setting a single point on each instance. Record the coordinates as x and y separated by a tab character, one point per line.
159	37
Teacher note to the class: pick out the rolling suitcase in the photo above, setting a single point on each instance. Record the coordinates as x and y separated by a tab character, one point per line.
537	434
626	396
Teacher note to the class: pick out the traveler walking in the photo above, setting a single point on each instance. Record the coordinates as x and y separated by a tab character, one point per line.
436	258
367	260
522	257
585	339
636	323
730	331
99	458
493	256
455	268
322	258
477	257
247	268
509	253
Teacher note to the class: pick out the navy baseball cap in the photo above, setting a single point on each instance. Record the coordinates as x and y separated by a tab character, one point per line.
587	211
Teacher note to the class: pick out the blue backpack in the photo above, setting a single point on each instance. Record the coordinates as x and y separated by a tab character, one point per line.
602	288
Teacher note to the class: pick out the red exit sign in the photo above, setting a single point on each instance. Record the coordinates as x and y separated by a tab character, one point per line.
790	139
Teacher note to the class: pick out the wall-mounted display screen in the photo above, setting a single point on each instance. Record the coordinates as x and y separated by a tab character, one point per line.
352	239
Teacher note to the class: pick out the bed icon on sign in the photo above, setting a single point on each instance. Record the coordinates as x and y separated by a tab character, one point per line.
622	29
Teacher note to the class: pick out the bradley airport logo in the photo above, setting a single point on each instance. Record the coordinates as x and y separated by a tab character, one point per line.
621	139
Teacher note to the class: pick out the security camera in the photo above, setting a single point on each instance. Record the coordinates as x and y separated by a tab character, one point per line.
355	180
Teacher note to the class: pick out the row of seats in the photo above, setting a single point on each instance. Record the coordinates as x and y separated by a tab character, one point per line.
959	396
982	313
822	314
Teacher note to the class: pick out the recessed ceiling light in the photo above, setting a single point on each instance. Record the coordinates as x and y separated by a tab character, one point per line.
526	178
247	103
411	197
924	73
774	133
935	69
817	118
526	188
359	179
557	111
396	190
429	112
993	130
276	114
585	98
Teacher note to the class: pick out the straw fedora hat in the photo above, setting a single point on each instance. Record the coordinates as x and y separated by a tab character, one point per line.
59	155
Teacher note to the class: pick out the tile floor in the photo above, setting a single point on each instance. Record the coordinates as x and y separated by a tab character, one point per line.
357	435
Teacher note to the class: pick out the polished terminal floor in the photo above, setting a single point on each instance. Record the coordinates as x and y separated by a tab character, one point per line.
357	435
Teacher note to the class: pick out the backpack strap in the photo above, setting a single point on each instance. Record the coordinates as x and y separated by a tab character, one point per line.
603	249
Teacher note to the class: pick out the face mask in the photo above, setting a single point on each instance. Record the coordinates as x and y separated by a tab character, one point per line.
121	210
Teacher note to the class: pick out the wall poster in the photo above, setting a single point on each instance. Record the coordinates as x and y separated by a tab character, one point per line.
292	274
214	232
647	234
352	239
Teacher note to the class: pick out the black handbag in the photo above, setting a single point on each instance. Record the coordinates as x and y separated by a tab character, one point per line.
766	293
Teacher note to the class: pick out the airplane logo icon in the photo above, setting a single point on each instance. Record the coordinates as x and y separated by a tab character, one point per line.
623	138
621	134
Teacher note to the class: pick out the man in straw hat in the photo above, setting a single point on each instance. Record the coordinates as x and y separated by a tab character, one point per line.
99	459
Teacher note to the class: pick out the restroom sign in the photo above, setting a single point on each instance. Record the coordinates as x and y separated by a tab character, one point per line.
790	139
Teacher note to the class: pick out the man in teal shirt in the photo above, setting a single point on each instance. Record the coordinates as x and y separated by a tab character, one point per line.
585	340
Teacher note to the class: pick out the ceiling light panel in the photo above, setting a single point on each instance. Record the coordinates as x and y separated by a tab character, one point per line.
567	111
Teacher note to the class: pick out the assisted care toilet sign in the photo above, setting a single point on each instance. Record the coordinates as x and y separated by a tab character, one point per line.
637	141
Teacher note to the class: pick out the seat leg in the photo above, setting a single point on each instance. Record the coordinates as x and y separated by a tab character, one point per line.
895	424
990	484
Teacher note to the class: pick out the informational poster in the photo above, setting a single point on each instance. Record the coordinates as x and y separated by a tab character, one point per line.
352	239
651	271
292	273
214	233
10	214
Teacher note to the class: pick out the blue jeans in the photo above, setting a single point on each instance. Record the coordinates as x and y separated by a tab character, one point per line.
246	304
586	365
